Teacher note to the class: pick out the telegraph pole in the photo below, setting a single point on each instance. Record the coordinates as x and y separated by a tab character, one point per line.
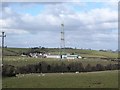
3	36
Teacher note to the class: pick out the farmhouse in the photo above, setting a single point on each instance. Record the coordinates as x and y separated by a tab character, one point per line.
36	55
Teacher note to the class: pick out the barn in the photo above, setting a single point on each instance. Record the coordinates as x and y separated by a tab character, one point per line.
64	56
52	56
73	57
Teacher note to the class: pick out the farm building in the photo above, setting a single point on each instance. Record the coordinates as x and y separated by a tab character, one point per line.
73	57
52	56
40	55
36	55
64	56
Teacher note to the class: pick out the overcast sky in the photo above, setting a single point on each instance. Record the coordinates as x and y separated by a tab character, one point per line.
87	24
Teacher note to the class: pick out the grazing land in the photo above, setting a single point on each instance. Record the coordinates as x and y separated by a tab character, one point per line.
102	79
81	52
13	56
22	61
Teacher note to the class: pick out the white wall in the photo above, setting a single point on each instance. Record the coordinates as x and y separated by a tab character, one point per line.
53	56
58	56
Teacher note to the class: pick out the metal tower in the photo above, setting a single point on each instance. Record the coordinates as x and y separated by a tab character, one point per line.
62	52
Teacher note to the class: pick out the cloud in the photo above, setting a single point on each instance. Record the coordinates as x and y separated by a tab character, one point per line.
98	25
15	31
61	1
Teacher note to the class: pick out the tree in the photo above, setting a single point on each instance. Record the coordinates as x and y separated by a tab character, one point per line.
81	67
42	48
100	67
44	67
88	68
63	67
48	68
73	53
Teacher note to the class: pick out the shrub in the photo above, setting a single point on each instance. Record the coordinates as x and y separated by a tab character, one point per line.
88	68
8	70
100	67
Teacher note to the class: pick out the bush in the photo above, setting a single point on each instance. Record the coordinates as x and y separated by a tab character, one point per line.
8	70
88	68
100	67
112	67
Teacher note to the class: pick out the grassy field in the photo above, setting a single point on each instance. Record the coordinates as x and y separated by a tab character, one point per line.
22	61
103	79
81	52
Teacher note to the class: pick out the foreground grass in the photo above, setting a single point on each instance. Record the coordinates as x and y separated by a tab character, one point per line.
103	79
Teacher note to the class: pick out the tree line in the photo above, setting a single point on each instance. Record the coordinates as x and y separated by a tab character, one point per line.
43	67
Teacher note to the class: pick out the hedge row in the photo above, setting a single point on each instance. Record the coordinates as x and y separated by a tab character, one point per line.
43	67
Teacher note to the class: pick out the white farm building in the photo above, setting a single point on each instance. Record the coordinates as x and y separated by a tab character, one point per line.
73	57
64	56
53	56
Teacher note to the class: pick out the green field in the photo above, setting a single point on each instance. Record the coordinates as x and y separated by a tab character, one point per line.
22	61
12	56
81	52
103	79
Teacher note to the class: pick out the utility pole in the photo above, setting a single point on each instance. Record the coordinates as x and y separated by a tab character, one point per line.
3	36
